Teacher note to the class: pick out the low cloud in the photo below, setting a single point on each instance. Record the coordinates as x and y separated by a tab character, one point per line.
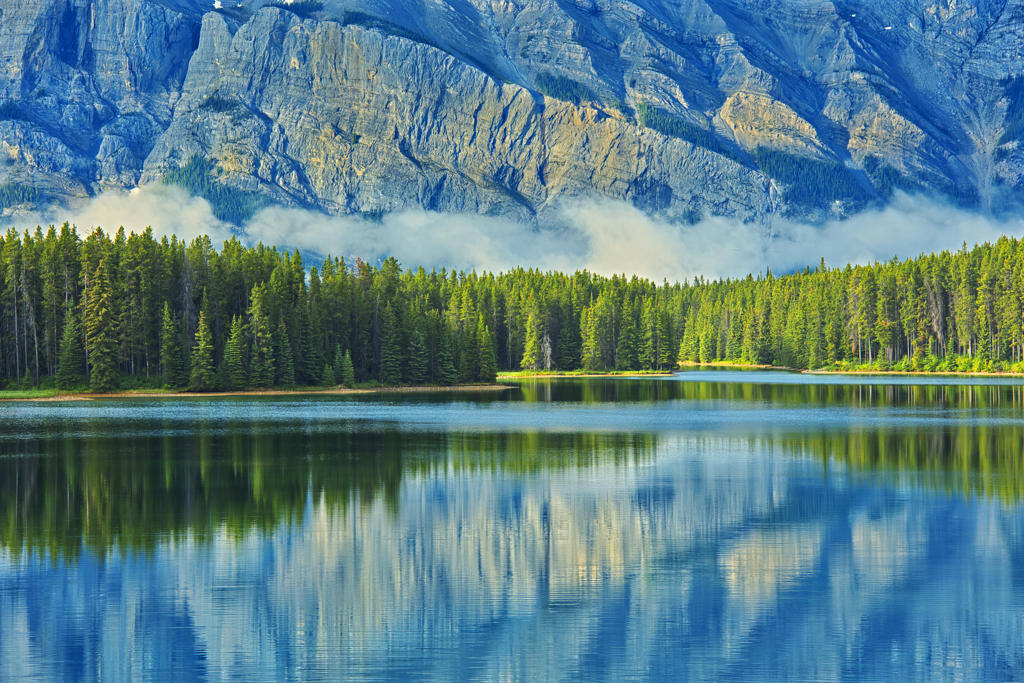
602	235
167	209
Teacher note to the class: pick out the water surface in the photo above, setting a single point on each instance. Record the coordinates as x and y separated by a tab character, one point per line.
709	525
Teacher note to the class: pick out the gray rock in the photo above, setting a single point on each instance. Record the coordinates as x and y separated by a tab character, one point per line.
380	105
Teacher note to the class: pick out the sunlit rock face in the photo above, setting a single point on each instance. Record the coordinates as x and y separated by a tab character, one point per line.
507	107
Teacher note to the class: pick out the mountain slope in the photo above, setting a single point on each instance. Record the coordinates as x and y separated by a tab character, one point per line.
746	108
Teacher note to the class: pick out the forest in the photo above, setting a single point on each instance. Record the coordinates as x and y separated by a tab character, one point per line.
129	310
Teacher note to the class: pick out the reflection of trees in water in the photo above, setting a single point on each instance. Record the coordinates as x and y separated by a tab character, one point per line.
953	396
981	455
966	460
60	491
704	565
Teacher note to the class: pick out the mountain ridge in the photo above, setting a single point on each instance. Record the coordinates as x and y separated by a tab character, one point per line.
804	108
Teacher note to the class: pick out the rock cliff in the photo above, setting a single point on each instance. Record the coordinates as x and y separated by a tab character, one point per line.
748	108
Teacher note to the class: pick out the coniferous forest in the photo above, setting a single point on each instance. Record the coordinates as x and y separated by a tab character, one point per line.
129	310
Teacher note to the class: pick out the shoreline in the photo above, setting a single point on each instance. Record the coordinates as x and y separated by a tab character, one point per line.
853	371
582	375
913	373
148	394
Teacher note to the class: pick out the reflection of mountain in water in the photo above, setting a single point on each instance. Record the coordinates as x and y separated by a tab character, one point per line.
714	560
128	489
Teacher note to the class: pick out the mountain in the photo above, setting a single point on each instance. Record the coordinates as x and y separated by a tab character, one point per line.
749	108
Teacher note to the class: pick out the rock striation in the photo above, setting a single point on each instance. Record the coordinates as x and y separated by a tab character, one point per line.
749	108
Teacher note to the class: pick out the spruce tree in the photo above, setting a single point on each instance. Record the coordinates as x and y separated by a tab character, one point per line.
261	365
487	363
170	351
283	359
100	333
347	372
626	352
649	356
203	376
327	378
234	356
532	351
447	373
71	364
417	361
391	349
310	366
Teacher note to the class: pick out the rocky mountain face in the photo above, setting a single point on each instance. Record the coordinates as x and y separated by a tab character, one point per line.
751	108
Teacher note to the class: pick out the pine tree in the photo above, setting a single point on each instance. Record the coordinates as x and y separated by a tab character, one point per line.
418	362
532	350
170	351
283	359
391	349
689	347
234	356
327	378
487	363
100	332
202	377
347	372
71	365
627	355
447	373
261	364
648	356
311	363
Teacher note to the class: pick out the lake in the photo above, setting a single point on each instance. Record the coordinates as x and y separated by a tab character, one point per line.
708	525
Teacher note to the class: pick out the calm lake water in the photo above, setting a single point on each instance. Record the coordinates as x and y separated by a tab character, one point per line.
710	525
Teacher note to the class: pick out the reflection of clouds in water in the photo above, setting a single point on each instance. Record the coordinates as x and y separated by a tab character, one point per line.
762	564
693	564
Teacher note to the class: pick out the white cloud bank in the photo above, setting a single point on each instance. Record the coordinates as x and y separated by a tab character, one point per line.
602	235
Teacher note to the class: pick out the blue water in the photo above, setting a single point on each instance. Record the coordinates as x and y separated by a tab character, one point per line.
708	526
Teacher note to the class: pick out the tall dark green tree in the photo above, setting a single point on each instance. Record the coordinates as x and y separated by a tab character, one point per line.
447	372
170	350
488	364
417	359
284	363
391	349
71	366
234	370
101	332
261	360
203	374
347	372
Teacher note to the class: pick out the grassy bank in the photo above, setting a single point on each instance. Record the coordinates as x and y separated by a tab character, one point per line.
58	395
881	369
556	374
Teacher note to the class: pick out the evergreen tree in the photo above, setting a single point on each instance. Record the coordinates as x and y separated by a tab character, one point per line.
487	364
627	356
283	359
391	349
649	338
418	362
310	365
327	378
347	372
234	356
532	351
71	365
261	363
100	332
447	373
203	376
170	351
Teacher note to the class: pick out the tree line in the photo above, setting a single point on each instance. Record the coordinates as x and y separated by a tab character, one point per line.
130	310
